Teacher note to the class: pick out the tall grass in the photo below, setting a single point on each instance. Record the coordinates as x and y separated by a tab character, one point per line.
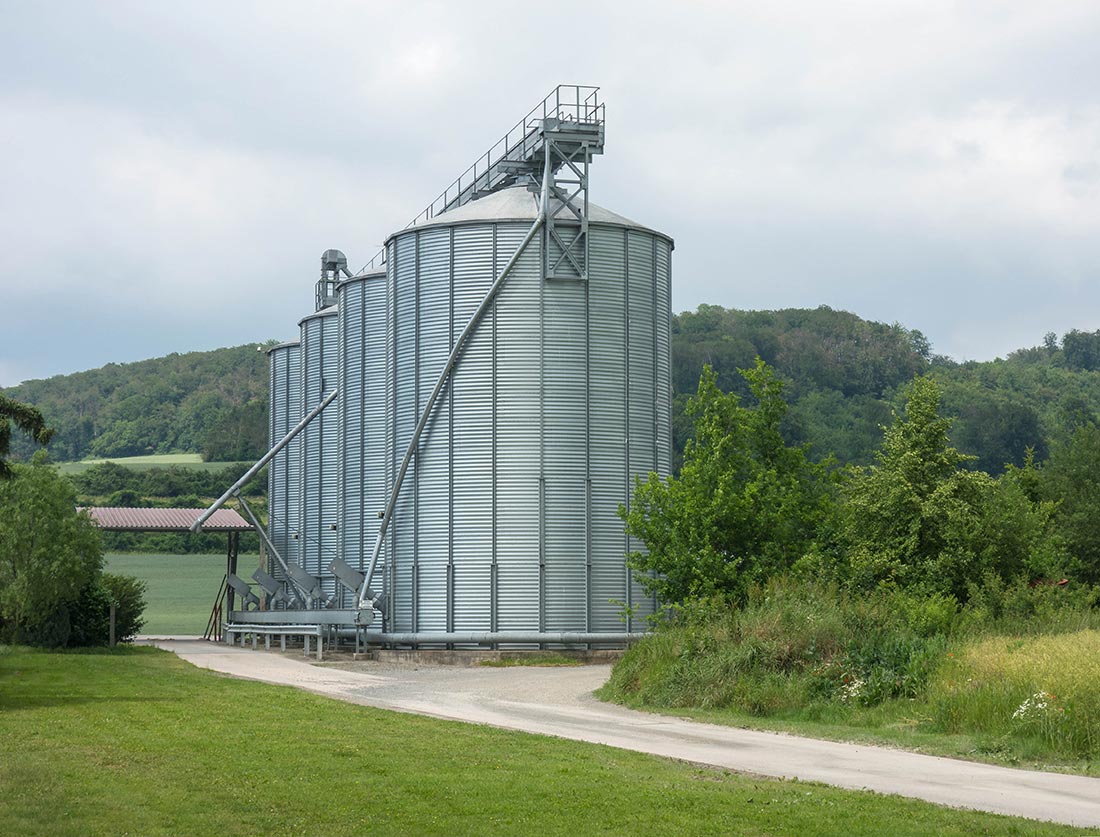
1043	691
1015	672
792	646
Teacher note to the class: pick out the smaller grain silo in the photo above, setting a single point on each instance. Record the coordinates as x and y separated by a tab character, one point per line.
362	418
284	470
320	448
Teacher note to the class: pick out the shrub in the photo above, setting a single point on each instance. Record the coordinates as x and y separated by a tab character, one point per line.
90	615
790	646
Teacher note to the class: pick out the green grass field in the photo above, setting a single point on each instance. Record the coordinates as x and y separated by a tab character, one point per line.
161	460
135	741
181	588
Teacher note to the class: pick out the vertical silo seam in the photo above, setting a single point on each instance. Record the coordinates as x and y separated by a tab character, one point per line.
494	570
587	434
542	435
627	492
450	434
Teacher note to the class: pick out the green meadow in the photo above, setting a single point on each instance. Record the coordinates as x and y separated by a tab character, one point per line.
192	461
135	741
180	588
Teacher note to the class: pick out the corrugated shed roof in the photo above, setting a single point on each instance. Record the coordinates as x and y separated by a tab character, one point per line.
166	520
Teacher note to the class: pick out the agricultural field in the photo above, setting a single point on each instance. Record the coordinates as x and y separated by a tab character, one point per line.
180	588
191	461
134	740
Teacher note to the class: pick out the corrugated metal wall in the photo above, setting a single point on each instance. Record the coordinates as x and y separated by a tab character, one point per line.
507	519
283	472
320	448
362	419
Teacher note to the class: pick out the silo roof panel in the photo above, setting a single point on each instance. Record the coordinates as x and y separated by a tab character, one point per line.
518	203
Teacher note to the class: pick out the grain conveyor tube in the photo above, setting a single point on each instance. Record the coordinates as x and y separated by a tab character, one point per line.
366	595
298	594
267	457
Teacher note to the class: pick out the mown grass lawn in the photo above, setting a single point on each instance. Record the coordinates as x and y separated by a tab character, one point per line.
180	588
136	741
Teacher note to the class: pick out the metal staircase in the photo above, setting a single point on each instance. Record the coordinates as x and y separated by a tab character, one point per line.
567	129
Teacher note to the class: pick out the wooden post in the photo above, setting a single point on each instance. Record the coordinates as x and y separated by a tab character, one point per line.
112	637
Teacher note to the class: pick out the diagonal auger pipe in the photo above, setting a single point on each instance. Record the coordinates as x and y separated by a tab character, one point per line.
366	597
298	594
267	457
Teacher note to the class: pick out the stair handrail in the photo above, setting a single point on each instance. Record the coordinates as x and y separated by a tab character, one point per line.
589	110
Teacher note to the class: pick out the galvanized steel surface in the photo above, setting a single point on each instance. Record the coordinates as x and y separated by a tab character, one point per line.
320	448
508	520
284	470
362	418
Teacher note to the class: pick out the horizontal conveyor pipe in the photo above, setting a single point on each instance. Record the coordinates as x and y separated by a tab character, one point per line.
493	637
267	457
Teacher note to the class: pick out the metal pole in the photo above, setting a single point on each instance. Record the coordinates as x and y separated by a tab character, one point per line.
365	596
267	457
271	547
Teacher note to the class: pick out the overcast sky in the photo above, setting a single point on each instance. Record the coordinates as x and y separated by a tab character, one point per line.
171	172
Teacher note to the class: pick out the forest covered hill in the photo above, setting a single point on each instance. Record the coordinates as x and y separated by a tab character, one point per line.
843	376
213	403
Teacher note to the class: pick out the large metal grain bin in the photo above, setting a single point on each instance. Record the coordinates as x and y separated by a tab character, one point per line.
362	418
320	447
506	520
284	470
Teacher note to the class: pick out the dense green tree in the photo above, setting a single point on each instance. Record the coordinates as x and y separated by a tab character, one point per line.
1081	350
744	507
27	419
1071	478
238	433
920	520
161	405
49	553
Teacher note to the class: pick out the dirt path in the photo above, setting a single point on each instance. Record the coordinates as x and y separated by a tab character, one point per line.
559	702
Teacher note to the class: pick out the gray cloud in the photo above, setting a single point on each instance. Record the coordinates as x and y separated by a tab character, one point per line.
170	173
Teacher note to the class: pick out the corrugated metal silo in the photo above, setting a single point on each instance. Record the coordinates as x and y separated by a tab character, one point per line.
362	418
506	520
320	447
283	473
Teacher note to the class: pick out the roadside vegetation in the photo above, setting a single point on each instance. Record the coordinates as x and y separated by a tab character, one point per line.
917	601
185	751
53	591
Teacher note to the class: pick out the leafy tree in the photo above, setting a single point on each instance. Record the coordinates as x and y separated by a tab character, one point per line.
744	507
27	419
49	553
1071	479
1081	349
919	520
90	618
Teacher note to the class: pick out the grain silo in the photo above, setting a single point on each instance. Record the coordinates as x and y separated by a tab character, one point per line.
320	448
362	417
284	470
491	396
506	520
